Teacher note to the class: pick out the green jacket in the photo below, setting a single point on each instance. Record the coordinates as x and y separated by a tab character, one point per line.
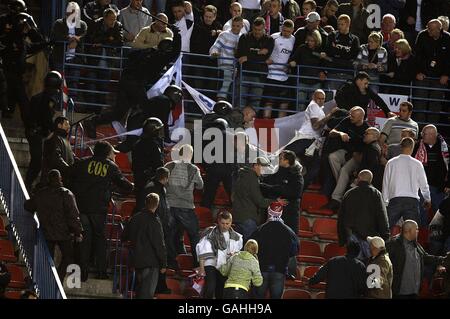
242	269
247	198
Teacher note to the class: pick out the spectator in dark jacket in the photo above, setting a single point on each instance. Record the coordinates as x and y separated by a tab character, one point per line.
359	15
274	254
92	182
401	68
59	218
358	93
408	259
254	48
362	213
57	153
312	24
345	275
149	257
328	14
432	56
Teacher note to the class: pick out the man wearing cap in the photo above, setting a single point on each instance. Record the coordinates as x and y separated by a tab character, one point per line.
380	268
247	198
274	254
92	182
312	24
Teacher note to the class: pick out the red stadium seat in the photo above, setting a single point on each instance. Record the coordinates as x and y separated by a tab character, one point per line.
332	250
123	162
309	272
297	283
310	253
296	294
204	216
315	187
17	277
174	285
304	229
7	251
186	265
325	228
126	208
396	230
320	295
14	294
222	198
312	203
2	228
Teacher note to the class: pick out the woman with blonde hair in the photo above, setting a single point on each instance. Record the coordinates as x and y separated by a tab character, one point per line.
401	67
372	57
242	270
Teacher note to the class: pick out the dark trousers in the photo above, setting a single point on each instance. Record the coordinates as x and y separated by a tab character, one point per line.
246	228
16	92
272	281
93	241
214	283
312	163
413	296
406	207
235	293
215	174
35	149
146	280
187	219
3	92
67	255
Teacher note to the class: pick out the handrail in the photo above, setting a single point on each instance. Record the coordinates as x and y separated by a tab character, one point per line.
25	227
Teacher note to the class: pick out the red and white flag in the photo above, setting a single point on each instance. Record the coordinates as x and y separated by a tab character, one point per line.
65	96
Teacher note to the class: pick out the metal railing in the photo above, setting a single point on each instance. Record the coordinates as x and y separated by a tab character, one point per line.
25	227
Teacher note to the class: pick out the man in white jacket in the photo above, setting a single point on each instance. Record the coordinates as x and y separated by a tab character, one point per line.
217	244
403	177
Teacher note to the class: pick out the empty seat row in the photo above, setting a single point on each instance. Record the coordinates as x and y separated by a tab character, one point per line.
310	252
323	228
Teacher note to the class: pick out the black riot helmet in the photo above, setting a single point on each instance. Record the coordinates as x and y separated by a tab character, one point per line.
174	93
53	81
17	6
152	126
220	123
222	108
165	46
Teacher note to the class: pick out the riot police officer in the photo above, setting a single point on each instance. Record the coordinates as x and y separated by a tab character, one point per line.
91	183
15	26
143	68
94	10
39	122
3	90
147	155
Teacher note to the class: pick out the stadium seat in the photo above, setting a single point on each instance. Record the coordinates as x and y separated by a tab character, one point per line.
185	264
13	294
314	187
325	228
204	217
174	285
222	198
304	229
17	277
296	294
312	203
3	232
113	232
395	230
123	162
297	283
320	295
7	251
310	252
332	250
126	209
169	296
309	272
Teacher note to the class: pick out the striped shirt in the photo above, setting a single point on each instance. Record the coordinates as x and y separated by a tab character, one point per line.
245	28
225	45
393	129
282	50
380	58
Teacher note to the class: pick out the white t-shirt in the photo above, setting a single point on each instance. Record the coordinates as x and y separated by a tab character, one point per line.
70	53
418	16
313	111
250	4
282	50
185	33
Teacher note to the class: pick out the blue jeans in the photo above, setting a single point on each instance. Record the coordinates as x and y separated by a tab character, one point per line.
252	90
364	253
187	219
146	280
406	207
246	228
274	281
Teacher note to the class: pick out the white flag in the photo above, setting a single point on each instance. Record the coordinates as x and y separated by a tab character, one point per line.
204	102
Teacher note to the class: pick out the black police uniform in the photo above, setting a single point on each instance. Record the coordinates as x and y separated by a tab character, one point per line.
38	122
147	156
3	90
91	182
14	55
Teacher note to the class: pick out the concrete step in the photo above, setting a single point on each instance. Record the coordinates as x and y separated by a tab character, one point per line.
92	289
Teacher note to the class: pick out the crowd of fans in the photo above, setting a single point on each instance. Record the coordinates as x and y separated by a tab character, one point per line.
374	177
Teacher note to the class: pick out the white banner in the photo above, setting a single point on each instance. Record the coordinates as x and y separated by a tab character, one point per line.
204	102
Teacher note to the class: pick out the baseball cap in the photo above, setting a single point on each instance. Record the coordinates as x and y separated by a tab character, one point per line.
312	17
376	241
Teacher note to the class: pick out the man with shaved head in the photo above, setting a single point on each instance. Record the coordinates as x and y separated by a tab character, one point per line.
408	259
346	142
362	214
432	58
149	37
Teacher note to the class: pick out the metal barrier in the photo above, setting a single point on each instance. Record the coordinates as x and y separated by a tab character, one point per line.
194	74
25	227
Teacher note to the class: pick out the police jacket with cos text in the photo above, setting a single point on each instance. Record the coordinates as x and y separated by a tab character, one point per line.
92	182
